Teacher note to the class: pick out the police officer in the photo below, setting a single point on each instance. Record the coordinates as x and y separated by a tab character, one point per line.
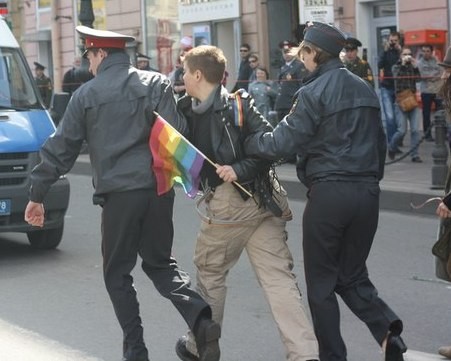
291	75
44	84
143	62
355	64
113	113
336	130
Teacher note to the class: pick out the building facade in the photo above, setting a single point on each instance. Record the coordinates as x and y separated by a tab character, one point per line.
46	28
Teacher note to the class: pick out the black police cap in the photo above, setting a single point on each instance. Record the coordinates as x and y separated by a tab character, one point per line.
352	43
39	66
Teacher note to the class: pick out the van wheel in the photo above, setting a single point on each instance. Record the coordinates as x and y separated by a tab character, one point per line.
46	238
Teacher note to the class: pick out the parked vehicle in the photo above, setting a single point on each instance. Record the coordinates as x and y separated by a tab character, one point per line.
25	124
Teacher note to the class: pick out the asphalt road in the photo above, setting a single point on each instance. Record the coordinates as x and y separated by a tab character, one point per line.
54	305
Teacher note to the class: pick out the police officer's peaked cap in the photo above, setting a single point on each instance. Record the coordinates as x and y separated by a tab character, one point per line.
287	44
102	38
352	43
39	66
142	57
326	37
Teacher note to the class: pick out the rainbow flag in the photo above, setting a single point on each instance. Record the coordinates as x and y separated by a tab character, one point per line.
175	159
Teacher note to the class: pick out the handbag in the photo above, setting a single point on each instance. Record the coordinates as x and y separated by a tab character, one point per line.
406	100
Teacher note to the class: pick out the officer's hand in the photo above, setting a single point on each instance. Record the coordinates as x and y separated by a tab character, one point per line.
34	214
226	173
443	211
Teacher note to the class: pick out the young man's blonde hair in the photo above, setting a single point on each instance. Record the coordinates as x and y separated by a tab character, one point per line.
209	60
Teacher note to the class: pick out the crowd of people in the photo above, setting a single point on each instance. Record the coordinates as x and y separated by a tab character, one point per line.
332	123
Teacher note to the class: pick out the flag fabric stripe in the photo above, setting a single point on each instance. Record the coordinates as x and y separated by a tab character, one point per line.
175	159
238	110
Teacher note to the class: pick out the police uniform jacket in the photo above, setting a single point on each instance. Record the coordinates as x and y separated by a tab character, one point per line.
290	80
361	68
45	89
113	112
335	128
227	137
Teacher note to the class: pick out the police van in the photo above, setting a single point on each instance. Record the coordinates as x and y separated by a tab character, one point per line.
25	124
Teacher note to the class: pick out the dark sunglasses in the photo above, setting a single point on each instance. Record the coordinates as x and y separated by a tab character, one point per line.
243	50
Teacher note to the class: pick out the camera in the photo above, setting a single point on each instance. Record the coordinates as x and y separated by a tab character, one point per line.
392	45
408	58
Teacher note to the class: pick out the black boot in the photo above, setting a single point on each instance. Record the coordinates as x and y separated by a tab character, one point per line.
395	346
207	333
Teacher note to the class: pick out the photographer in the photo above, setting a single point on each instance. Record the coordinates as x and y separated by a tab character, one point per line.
406	75
387	84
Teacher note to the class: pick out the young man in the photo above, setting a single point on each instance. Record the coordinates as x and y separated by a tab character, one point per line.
245	70
429	86
113	113
232	221
336	130
387	59
406	75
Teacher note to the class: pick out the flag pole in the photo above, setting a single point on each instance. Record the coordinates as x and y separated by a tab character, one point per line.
203	155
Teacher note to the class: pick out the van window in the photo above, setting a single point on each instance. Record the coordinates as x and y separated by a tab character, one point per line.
16	90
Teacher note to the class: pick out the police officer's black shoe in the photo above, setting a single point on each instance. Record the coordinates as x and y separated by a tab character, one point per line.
395	348
182	352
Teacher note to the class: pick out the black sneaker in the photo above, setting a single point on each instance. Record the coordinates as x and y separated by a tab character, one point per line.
417	160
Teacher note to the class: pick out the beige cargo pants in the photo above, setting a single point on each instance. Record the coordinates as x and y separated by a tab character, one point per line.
231	225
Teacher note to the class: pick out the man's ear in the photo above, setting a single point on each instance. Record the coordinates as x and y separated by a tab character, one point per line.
198	75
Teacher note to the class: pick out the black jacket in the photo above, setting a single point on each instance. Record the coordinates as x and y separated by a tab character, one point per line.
114	113
386	61
228	138
335	128
244	73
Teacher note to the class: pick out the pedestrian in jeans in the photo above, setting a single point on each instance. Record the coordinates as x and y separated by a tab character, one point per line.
336	130
113	112
406	75
387	59
429	86
232	221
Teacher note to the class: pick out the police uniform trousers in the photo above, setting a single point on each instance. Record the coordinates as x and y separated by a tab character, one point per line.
339	223
232	225
140	223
